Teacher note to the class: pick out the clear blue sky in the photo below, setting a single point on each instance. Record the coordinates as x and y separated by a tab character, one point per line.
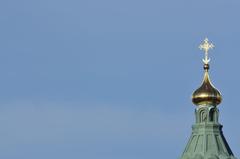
105	79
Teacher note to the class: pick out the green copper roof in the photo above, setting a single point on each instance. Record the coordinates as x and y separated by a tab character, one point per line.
207	140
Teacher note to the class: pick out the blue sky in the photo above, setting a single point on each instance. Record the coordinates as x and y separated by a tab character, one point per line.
112	79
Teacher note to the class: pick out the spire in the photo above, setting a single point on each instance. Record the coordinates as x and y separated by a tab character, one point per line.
207	140
206	94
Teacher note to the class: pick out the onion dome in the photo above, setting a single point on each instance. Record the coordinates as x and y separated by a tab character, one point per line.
206	94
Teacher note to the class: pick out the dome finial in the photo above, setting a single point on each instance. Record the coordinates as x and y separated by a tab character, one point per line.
206	46
206	94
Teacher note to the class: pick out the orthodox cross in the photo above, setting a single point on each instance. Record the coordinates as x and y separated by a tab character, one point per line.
206	46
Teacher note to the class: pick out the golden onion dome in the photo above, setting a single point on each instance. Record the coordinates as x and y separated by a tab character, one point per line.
206	94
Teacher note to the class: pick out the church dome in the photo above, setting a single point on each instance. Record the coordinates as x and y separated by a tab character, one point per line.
206	94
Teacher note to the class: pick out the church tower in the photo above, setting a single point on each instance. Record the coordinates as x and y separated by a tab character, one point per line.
207	140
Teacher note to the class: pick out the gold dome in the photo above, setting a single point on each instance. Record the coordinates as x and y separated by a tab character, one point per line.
206	94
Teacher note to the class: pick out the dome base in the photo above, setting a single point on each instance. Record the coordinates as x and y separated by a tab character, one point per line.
207	140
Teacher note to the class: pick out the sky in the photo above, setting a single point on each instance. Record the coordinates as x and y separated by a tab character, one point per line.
91	79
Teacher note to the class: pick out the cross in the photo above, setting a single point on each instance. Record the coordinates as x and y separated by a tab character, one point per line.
206	46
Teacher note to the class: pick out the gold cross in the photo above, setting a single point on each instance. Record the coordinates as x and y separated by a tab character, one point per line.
206	46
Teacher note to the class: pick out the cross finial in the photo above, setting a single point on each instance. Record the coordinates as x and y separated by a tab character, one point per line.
206	46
